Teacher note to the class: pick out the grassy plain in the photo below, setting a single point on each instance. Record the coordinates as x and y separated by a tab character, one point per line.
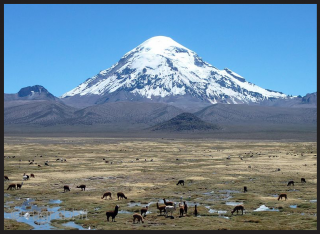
147	170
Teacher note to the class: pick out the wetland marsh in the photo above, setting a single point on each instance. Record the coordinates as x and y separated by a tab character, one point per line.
147	170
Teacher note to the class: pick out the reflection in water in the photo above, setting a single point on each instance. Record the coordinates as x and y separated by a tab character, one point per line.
40	217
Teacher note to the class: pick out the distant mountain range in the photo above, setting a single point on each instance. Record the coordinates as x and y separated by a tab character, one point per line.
36	105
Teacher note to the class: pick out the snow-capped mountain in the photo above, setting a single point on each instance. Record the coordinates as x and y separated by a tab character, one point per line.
162	70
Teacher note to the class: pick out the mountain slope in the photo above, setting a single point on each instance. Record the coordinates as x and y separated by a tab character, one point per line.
162	70
247	114
126	113
42	112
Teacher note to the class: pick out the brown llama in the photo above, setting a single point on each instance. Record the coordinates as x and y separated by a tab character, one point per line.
161	208
237	208
19	185
138	217
169	203
144	211
112	213
6	177
32	175
180	182
66	188
195	210
303	180
282	195
11	186
121	195
185	207
291	182
181	210
106	194
83	187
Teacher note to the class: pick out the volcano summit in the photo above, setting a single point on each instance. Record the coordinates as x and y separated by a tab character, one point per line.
162	70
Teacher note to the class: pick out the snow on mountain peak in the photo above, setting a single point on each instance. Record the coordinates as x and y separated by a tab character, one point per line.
159	44
161	67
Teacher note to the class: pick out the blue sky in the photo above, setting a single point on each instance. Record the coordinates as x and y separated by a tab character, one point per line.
60	46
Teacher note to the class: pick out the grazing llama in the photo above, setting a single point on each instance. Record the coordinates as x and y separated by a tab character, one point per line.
106	194
11	186
138	217
282	195
83	187
66	188
237	208
291	182
303	180
180	182
121	195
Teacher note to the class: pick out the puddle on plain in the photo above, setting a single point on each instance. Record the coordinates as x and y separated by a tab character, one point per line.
265	208
74	225
132	204
234	203
7	204
293	206
124	212
220	212
209	193
192	204
39	217
211	210
226	194
54	201
229	191
313	201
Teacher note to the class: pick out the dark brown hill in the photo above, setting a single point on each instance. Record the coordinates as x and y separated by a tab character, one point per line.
184	122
